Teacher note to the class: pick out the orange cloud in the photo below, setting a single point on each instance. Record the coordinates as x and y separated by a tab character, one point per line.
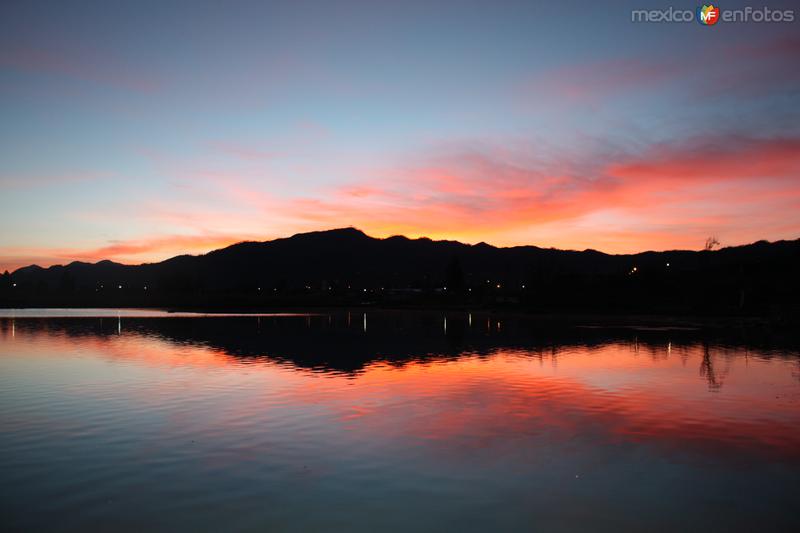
667	196
171	243
733	159
128	251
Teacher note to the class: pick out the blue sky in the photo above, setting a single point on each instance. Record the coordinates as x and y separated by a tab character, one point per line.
140	130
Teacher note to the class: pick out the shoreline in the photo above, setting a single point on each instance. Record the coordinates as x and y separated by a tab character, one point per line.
583	319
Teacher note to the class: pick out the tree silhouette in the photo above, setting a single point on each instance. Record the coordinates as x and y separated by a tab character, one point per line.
711	243
708	371
454	274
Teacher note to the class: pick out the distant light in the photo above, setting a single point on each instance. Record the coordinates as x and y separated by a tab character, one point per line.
667	264
145	287
445	288
470	289
119	286
523	286
498	285
365	290
259	288
13	284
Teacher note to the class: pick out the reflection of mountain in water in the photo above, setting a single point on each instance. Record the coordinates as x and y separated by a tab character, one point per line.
346	342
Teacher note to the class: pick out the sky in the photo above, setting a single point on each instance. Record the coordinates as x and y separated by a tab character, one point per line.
137	131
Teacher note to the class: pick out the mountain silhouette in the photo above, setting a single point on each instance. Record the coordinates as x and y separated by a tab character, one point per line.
347	267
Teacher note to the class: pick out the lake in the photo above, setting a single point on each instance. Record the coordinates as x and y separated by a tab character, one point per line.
391	421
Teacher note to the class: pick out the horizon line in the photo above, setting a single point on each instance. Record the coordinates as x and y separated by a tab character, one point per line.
422	238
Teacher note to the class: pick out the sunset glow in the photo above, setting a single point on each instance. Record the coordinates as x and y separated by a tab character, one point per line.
511	126
654	395
358	265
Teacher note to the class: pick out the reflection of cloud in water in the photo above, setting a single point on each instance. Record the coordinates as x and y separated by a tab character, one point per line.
460	390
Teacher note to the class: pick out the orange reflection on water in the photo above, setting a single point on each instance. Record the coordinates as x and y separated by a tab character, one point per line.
605	393
690	398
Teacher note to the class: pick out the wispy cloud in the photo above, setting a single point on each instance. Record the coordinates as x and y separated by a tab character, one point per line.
84	65
677	189
666	196
126	251
724	71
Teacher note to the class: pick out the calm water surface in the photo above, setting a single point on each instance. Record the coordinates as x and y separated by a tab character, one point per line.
391	422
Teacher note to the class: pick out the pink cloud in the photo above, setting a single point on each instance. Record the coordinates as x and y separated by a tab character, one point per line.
670	195
666	197
174	244
124	251
595	81
750	68
731	158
